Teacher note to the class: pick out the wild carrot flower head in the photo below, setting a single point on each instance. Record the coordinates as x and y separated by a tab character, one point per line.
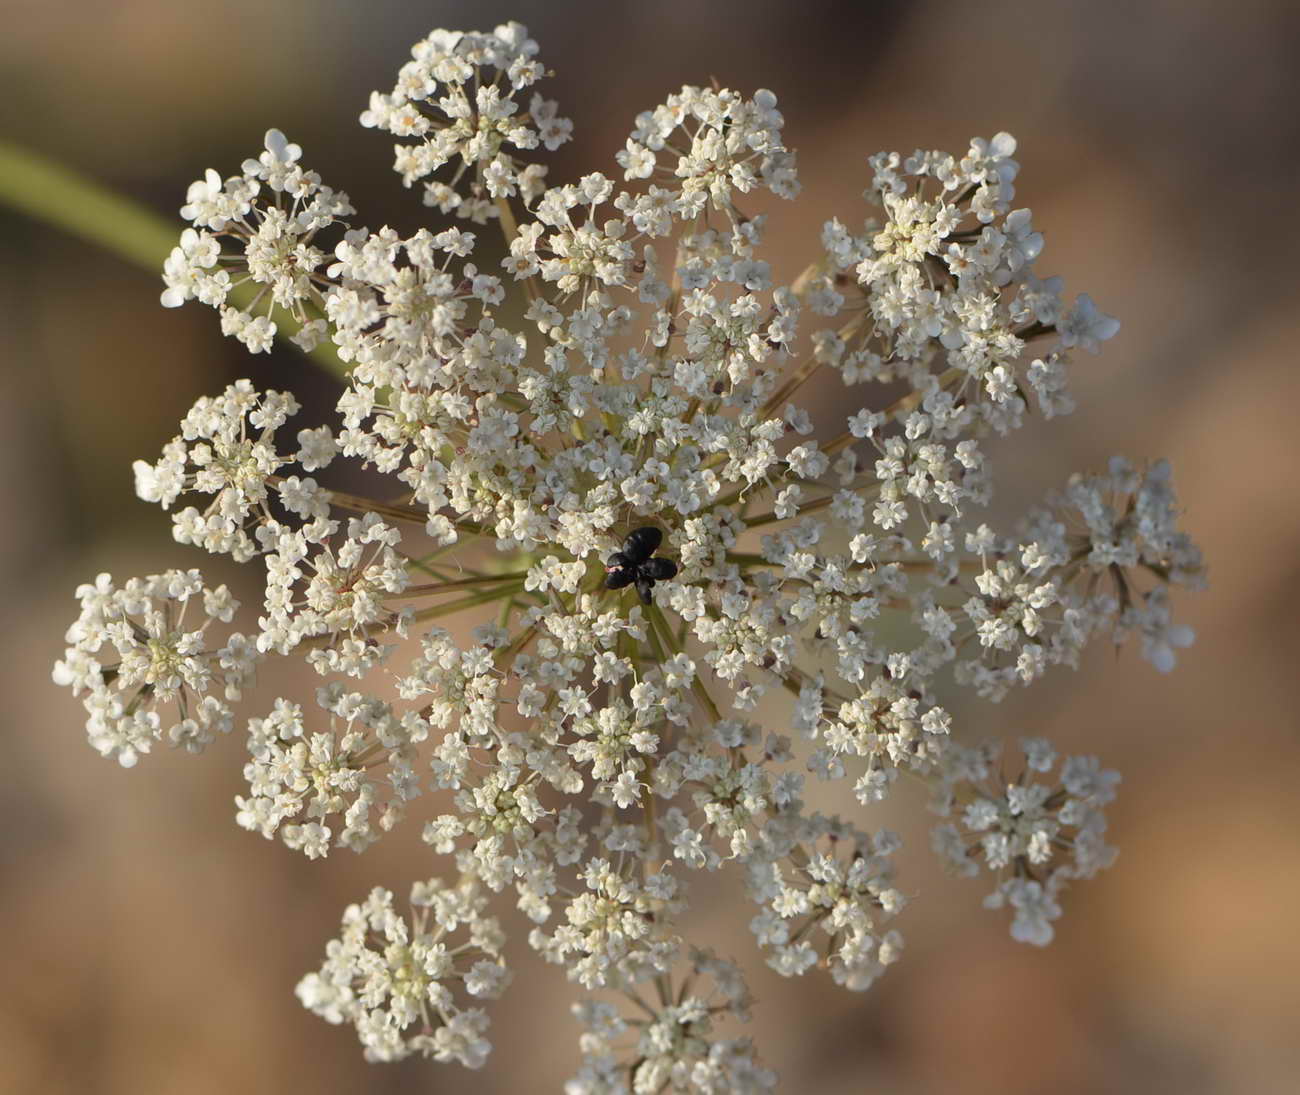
675	602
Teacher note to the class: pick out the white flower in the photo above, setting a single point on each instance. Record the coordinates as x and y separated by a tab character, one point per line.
394	980
1042	835
217	454
598	455
145	671
1085	326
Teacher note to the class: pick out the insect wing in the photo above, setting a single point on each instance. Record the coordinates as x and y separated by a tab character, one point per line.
659	569
641	543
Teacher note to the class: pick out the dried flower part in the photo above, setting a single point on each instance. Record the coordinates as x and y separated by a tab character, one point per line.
596	453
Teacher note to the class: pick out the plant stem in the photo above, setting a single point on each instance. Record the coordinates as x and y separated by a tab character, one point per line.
810	365
510	229
804	507
49	192
461	583
452	607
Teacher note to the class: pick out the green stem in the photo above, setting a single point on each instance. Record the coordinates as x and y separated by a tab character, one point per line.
452	607
462	583
49	192
804	507
659	622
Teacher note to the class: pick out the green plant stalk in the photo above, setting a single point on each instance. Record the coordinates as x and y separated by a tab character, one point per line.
49	192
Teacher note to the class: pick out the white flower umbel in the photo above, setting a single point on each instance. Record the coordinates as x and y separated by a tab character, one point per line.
299	777
598	463
148	668
824	887
670	1043
398	983
1035	836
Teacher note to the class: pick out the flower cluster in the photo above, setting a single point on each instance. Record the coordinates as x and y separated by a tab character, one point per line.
272	244
1035	836
603	481
147	673
834	895
1079	566
457	97
671	1040
386	976
292	773
217	454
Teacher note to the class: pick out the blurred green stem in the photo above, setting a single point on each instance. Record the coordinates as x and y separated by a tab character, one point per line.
50	192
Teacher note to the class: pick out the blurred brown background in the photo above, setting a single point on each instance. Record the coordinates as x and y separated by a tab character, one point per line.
151	946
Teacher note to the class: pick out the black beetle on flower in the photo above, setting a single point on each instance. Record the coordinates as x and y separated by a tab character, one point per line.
634	563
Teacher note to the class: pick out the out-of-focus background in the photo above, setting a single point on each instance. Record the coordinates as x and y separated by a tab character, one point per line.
151	946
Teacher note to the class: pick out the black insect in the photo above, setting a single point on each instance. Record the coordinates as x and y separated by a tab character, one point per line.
634	565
